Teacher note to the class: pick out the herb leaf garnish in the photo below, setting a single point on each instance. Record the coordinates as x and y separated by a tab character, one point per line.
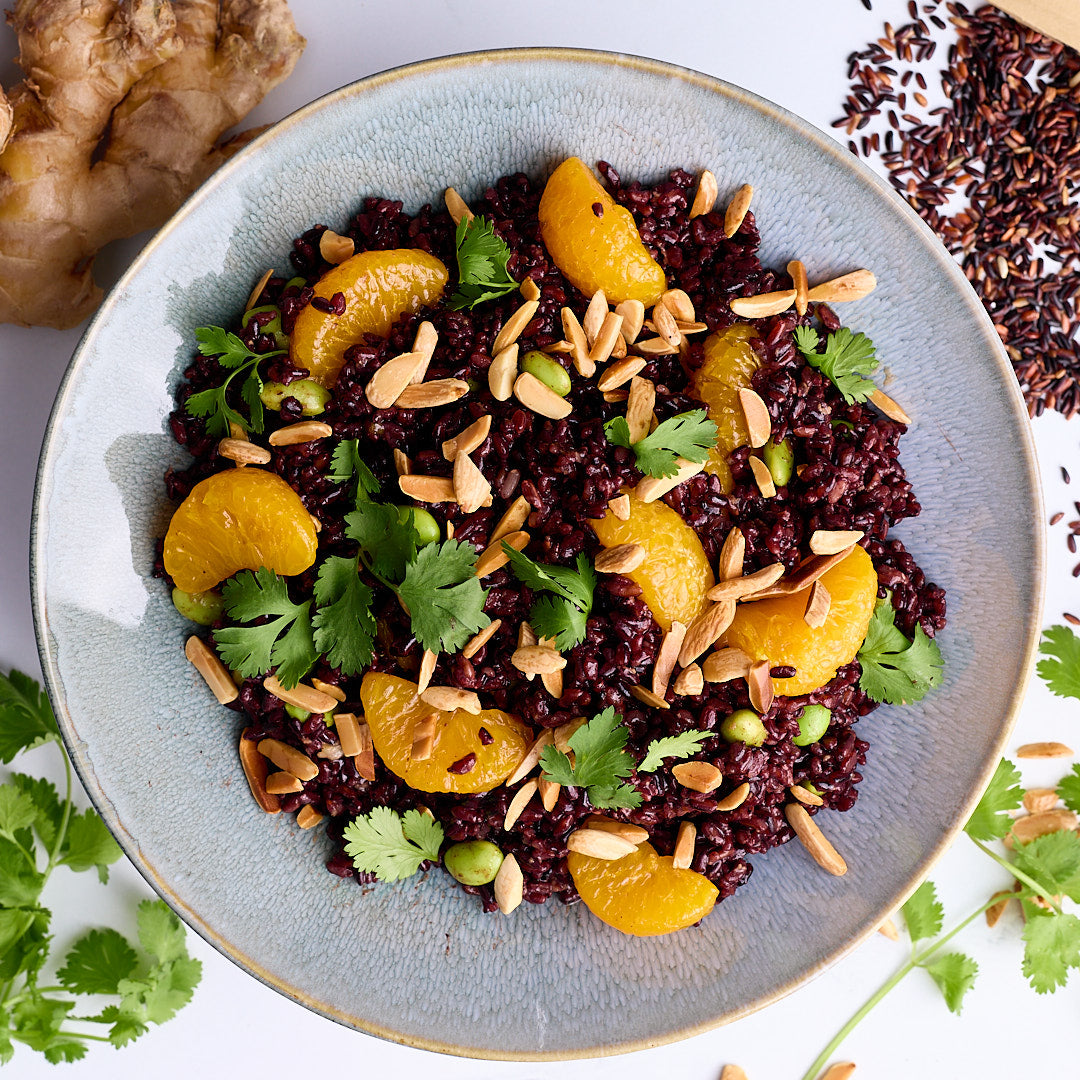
343	626
444	596
894	669
1069	789
846	360
482	258
1060	667
672	746
599	763
690	435
563	615
390	845
990	819
923	913
346	465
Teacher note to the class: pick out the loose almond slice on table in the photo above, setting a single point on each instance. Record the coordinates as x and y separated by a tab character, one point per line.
1044	750
215	674
308	817
889	407
1027	828
1036	800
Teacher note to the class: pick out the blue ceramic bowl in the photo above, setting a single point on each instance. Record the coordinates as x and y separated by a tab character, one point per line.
417	961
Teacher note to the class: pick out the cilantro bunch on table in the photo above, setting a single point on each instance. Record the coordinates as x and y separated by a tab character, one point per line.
690	435
39	832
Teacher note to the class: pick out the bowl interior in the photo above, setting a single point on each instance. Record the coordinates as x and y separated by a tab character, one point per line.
417	961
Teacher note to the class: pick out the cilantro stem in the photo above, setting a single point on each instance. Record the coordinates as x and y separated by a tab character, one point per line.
1020	876
61	833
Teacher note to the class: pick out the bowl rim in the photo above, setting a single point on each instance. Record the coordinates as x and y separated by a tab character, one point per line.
603	59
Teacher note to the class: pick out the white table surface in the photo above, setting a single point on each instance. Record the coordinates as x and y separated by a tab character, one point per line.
237	1027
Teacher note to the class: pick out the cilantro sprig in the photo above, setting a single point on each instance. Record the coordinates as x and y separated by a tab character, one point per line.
599	764
896	669
40	831
690	435
564	613
1060	666
391	845
847	359
672	746
213	404
482	258
346	465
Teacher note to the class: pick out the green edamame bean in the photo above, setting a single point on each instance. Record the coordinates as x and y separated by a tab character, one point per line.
813	723
473	862
295	283
266	326
780	459
311	395
427	528
296	712
550	372
812	788
204	608
745	726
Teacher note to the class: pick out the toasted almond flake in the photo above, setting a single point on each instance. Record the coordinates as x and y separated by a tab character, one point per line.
633	315
698	776
427	337
450	530
502	373
515	516
331	752
493	557
652	488
599	844
655	346
762	477
282	783
853	286
618	350
236	431
806	796
564	732
692	327
348	730
423	737
797	272
522	798
736	209
613	397
335	248
531	757
887	928
303	432
1044	750
553	683
704	201
647	697
329	688
683	855
831	541
609	333
289	759
534	395
432	394
365	760
1036	800
509	885
818	603
639	407
215	674
809	571
549	793
456	207
705	629
256	770
253	299
840	1071
478	641
665	325
301	695
725	665
513	326
579	343
526	635
537	659
1027	828
666	656
994	913
813	839
732	555
529	289
620	559
679	304
620	507
594	316
764	304
402	463
449	698
428	489
472	438
386	385
427	669
621	371
756	414
635	834
243	452
760	685
737	587
471	487
889	407
690	682
308	817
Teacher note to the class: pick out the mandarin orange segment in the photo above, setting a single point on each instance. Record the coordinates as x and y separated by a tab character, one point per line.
642	894
239	519
392	709
379	287
730	363
676	574
596	250
775	630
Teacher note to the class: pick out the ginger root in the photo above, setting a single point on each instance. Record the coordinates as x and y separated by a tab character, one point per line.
118	119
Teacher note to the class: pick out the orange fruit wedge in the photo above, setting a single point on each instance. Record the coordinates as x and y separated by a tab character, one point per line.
642	893
775	630
676	574
379	287
596	249
393	709
239	519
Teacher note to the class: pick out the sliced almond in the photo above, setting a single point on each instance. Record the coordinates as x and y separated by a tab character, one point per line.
493	557
647	697
655	346
521	799
840	1071
639	407
813	839
594	316
853	286
331	752
289	759
698	776
1044	750
762	477
427	669
335	248
887	928
1036	800
423	737
809	571
456	207
599	844
534	395
427	337
692	327
253	299
994	913
732	555
679	304
635	834
704	201
386	385
529	289
236	431
513	326
282	783
301	695
449	698
471	487
215	674
609	333
620	507
764	304
736	210
509	885
806	796
515	516
364	762
760	686
734	799
402	463
818	603
725	665
329	688
549	793
428	489
618	350
666	656
666	327
579	343
756	414
683	855
243	452
889	407
478	641
308	817
613	397
526	635
472	438
303	432
537	660
348	730
831	541
502	372
256	770
621	371
691	681
620	559
531	757
651	488
633	313
797	272
737	587
432	394
1027	828
705	629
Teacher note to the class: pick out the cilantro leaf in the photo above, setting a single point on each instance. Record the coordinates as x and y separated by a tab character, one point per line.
443	595
286	642
1053	861
690	435
384	843
229	349
26	718
1051	948
161	933
1061	668
672	746
1069	789
955	975
482	258
346	465
990	820
387	538
20	881
344	628
17	811
599	762
47	803
923	913
894	669
846	359
563	616
89	843
97	962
